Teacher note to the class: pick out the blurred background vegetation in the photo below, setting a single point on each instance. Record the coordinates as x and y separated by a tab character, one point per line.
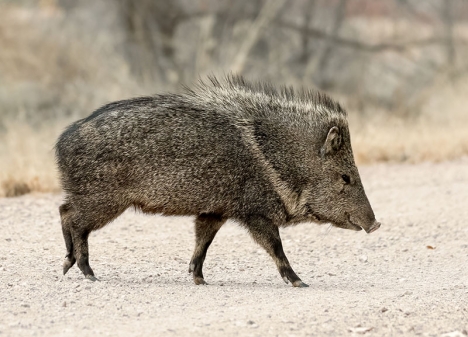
400	67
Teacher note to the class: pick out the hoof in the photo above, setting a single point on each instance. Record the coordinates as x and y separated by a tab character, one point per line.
285	279
199	280
300	284
92	278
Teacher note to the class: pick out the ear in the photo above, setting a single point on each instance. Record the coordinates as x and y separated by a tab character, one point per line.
332	143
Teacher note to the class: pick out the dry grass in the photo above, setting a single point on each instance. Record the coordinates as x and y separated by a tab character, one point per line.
27	159
439	133
400	141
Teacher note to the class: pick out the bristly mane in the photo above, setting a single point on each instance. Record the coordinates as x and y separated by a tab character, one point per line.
239	83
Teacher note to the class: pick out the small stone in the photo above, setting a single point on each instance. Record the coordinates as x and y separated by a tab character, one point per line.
363	258
383	309
64	304
252	324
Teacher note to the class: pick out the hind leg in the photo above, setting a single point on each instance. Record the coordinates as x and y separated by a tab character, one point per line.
206	227
80	243
66	210
82	223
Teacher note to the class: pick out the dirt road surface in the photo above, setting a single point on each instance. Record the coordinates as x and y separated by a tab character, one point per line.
408	278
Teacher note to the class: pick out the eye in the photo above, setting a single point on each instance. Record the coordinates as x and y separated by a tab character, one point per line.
346	178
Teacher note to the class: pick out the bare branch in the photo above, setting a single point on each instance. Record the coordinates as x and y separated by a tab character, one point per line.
266	15
447	17
324	57
362	46
309	9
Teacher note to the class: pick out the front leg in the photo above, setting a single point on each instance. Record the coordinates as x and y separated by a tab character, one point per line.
266	234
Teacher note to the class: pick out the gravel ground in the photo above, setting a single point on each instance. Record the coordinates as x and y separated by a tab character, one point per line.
410	277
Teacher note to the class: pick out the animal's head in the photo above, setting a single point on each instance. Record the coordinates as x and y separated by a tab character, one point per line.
338	196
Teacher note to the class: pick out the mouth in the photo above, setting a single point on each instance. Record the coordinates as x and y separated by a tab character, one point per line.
351	225
348	224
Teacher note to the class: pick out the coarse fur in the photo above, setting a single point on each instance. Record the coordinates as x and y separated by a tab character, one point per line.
227	149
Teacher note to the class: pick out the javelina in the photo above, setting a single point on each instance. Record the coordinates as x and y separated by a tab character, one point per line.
228	149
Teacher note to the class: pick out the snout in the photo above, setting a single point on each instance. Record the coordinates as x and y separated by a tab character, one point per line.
373	227
354	224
